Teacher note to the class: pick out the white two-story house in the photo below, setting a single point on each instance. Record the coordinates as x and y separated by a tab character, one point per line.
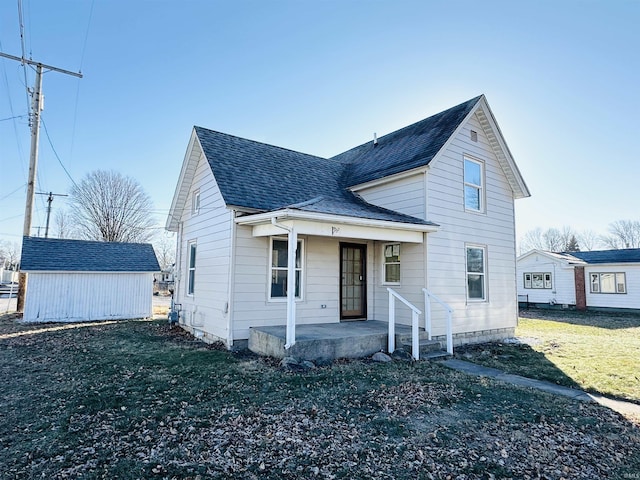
430	206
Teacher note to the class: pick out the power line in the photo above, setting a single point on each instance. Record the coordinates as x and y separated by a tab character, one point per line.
56	153
9	194
12	118
22	44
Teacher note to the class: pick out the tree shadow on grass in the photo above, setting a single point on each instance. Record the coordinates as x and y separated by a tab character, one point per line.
590	318
518	359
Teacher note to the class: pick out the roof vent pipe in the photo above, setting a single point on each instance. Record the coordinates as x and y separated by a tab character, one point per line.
375	139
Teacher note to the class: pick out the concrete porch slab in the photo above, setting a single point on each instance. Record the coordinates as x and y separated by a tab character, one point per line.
325	341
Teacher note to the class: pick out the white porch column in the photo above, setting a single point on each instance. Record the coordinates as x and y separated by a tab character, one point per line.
291	288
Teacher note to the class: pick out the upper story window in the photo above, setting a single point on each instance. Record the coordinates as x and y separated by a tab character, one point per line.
473	185
191	268
195	202
538	280
391	265
476	273
608	283
279	260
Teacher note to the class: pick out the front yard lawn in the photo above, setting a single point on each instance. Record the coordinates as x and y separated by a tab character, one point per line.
137	399
596	352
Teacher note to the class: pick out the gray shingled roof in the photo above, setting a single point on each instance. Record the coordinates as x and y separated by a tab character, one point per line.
627	255
52	254
265	177
405	149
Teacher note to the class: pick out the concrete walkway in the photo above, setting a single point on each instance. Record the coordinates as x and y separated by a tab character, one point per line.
625	408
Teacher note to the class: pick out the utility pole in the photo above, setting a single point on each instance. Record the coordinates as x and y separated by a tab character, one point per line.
33	159
49	200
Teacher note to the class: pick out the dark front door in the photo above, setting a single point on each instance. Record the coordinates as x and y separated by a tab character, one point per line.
353	281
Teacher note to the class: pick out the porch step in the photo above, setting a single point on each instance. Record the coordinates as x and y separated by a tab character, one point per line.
425	346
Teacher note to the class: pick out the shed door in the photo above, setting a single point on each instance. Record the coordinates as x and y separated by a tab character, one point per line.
353	281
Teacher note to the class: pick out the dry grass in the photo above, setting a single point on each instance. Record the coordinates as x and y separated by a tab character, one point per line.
137	399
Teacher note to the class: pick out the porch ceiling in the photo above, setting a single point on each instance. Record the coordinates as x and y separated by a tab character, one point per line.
327	225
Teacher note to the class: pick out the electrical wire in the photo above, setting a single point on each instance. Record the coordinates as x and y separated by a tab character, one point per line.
75	108
12	118
56	153
16	190
22	45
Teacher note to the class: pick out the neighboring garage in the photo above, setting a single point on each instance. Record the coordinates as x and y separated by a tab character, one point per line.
78	280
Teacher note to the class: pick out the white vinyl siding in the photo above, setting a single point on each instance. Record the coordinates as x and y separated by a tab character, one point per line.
405	195
446	249
207	309
630	299
80	297
562	290
320	280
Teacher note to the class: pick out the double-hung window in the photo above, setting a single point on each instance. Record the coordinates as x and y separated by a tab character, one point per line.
608	283
191	268
279	259
473	185
476	273
391	265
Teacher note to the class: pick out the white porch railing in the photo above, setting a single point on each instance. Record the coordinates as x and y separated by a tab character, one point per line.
415	313
427	316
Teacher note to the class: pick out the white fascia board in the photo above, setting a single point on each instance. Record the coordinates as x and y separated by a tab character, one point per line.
551	256
390	178
502	144
180	195
311	223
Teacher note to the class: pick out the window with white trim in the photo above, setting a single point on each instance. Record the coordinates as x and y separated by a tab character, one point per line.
191	268
608	282
538	280
279	259
391	263
473	185
476	273
195	202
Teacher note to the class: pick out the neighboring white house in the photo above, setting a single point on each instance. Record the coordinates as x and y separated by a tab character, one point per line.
428	206
604	279
78	280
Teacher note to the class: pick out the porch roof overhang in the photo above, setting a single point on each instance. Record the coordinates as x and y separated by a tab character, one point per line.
331	225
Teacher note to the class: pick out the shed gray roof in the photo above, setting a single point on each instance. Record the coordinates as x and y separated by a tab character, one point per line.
626	255
52	254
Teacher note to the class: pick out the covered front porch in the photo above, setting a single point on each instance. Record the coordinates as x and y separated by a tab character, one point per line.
330	341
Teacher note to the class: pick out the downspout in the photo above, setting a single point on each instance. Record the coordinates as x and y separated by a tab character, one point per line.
232	280
292	246
177	272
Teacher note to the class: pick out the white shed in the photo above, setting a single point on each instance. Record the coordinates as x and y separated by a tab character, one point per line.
78	280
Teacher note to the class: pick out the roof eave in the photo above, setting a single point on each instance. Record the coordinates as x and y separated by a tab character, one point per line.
291	214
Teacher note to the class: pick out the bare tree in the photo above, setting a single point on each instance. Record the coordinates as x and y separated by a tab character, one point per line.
165	249
589	240
551	239
623	234
109	206
63	225
9	254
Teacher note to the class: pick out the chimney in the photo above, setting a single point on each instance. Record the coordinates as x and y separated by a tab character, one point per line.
375	139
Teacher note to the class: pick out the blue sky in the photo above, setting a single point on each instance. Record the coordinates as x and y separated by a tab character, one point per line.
562	78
